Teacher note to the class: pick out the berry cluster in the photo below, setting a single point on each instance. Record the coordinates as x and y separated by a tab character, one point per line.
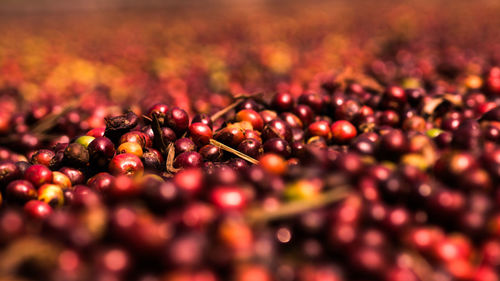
346	182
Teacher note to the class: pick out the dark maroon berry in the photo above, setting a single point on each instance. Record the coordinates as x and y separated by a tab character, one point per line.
211	153
277	129
188	159
251	147
305	114
200	133
277	146
282	102
184	145
178	120
101	151
20	191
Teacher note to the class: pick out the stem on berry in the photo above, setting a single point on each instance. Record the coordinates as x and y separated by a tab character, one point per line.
233	151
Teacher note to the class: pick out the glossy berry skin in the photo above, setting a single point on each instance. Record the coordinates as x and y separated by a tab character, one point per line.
97	132
231	136
20	192
200	133
211	153
321	129
160	111
37	209
178	120
126	164
305	113
268	115
51	194
251	147
189	159
277	128
251	116
168	135
75	176
277	146
394	97
130	147
38	175
282	102
184	145
343	131
61	180
292	120
101	150
101	182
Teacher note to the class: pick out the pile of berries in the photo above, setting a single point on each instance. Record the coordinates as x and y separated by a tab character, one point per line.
345	182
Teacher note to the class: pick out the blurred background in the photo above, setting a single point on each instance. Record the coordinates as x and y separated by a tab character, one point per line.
173	50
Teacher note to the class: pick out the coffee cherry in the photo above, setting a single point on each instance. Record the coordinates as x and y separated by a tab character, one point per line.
38	175
61	180
37	209
184	145
177	120
188	159
101	151
277	129
282	101
200	133
126	164
277	146
51	194
252	117
321	129
75	176
251	147
211	153
20	192
343	131
159	110
100	182
305	114
130	147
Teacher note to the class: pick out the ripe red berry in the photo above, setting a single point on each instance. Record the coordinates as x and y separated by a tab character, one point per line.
37	209
343	131
38	175
200	133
